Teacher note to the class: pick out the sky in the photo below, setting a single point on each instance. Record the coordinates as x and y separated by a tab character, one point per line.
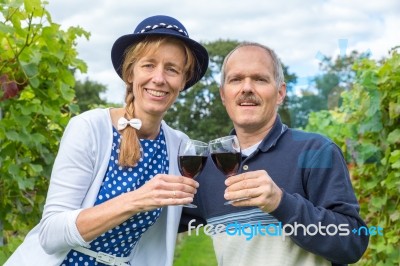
299	31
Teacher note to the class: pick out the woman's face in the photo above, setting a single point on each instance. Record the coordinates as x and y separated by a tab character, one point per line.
157	78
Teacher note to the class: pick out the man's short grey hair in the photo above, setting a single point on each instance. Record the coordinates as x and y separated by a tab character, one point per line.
277	65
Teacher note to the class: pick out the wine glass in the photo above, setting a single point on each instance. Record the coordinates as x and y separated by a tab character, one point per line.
192	156
226	155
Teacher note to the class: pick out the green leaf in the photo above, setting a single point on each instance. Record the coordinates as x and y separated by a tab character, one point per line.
394	110
23	120
396	165
381	246
6	29
39	138
36	168
367	152
13	169
32	6
395	216
30	69
29	109
52	94
27	94
12	135
394	136
395	159
73	108
67	92
34	82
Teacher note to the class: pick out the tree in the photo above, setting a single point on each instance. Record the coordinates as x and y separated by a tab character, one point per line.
37	63
325	89
88	94
199	111
366	127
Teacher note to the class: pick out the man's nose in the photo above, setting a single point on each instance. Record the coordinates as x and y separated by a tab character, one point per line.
248	86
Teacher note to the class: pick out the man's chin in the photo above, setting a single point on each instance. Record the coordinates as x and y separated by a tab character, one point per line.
245	123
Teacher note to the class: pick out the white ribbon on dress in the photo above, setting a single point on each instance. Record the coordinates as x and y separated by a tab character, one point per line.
123	123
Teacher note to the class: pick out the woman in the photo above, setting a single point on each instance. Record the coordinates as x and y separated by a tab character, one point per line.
116	169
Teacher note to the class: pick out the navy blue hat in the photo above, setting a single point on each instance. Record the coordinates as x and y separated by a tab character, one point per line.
161	26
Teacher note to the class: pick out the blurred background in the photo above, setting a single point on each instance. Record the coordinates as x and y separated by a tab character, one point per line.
341	63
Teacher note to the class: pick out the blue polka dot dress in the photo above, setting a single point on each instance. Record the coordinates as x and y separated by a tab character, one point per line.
121	240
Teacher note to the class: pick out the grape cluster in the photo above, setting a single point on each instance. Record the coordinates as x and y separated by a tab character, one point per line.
9	87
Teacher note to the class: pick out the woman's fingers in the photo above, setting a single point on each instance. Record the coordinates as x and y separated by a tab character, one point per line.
175	183
164	190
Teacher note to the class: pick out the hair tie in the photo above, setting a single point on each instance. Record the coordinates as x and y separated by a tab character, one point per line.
123	123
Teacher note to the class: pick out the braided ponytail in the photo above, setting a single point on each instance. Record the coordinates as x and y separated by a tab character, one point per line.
129	149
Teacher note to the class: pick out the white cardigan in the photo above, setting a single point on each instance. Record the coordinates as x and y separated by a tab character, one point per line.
76	178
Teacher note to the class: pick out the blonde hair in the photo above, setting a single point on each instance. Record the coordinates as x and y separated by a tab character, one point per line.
130	145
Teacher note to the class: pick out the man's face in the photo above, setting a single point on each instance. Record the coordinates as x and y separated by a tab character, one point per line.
250	94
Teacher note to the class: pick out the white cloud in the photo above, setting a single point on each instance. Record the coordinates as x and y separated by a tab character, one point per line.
297	30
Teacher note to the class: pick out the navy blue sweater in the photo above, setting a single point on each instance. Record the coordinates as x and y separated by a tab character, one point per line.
311	171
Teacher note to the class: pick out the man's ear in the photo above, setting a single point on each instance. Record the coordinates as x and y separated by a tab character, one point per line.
281	94
222	95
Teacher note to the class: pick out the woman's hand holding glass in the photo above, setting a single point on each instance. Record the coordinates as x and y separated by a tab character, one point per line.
162	190
192	156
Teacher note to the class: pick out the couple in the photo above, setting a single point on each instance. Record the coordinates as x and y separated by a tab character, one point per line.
115	192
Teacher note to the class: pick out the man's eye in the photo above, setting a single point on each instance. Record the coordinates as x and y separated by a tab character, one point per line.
234	80
262	80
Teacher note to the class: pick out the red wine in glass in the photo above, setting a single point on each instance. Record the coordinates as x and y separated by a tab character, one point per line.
191	165
227	163
192	156
226	155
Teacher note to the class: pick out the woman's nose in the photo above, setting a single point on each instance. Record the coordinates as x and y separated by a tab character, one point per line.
158	76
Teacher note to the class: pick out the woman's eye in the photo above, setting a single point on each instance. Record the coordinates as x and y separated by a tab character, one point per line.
147	66
173	70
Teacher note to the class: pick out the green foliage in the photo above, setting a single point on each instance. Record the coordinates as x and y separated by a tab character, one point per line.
325	89
366	126
88	94
37	63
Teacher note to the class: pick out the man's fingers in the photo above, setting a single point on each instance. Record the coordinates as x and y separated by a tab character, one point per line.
244	193
241	177
244	185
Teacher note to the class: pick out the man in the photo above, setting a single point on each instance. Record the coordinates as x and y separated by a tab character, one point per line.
300	207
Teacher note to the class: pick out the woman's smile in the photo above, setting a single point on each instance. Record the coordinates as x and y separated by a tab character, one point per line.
156	93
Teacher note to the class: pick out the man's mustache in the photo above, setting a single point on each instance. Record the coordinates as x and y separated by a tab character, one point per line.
248	98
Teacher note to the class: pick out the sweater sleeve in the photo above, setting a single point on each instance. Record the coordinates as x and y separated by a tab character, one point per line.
71	178
330	204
